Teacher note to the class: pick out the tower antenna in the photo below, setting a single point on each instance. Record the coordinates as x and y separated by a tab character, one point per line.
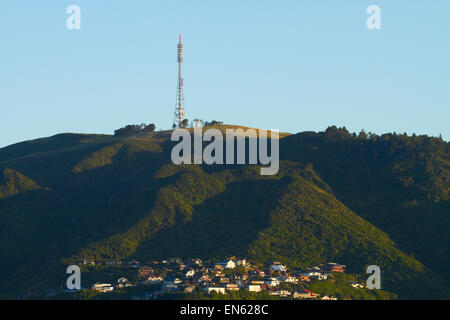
180	112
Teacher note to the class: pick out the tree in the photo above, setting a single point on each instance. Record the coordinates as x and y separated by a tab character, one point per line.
213	123
184	123
150	128
362	135
133	129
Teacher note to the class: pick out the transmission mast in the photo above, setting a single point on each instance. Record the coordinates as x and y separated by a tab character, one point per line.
180	112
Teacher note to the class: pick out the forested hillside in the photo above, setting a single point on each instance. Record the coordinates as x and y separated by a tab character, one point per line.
358	199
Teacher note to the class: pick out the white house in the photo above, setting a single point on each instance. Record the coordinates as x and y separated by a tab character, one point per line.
232	286
190	273
321	277
312	274
317	273
285	293
102	287
254	287
273	282
220	290
288	279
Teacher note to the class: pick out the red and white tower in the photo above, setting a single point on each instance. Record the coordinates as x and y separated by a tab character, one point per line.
180	112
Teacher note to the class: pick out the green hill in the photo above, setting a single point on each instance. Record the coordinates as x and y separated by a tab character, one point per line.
338	197
400	184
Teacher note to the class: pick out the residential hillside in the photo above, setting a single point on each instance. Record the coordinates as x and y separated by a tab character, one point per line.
357	199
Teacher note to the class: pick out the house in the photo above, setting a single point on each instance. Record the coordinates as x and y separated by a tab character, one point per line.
102	287
242	263
304	278
220	290
254	287
145	271
304	294
230	264
154	279
218	266
321	277
276	266
197	262
332	267
328	298
176	280
224	280
190	273
273	282
239	277
171	281
232	286
123	283
122	280
288	279
257	272
87	262
356	285
285	293
203	277
313	272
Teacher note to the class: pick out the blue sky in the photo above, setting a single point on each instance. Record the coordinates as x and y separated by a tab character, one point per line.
289	65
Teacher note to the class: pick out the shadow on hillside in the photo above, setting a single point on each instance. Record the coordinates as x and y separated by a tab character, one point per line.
220	226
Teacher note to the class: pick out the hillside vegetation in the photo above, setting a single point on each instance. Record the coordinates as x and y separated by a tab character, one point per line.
359	200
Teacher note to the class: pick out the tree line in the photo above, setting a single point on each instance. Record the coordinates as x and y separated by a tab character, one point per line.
134	128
